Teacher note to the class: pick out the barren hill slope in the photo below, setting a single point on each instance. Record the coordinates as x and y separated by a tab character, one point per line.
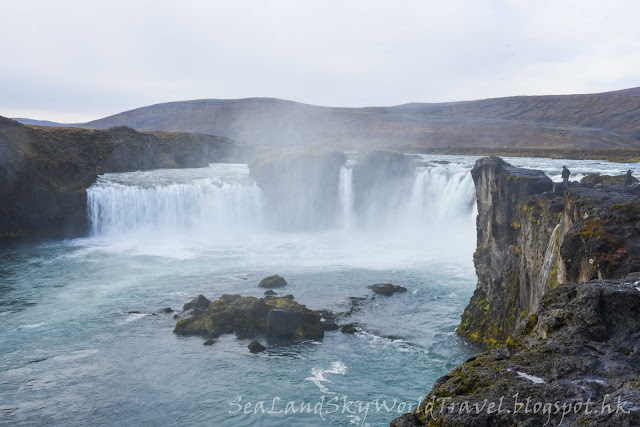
607	121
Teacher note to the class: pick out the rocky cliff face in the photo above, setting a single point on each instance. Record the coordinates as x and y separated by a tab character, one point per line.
599	234
44	171
577	364
514	228
563	339
531	238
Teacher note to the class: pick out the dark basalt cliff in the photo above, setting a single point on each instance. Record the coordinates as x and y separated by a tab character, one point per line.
44	172
556	298
510	249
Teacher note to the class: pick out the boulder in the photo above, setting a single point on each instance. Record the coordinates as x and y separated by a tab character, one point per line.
349	329
209	342
330	325
269	293
200	302
255	347
167	310
387	289
274	281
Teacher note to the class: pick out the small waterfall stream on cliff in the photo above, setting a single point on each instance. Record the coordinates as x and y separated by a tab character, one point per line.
549	258
85	340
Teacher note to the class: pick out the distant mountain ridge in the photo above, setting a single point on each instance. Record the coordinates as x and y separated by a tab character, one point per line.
604	121
33	122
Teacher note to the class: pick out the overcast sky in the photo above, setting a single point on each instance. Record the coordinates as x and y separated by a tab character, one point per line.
79	60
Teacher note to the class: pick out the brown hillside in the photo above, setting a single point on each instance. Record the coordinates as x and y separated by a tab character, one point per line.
607	121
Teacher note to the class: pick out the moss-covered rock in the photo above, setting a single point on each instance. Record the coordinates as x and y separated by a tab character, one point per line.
580	345
200	302
249	317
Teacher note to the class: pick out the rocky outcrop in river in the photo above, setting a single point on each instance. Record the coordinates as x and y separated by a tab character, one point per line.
249	317
45	171
566	344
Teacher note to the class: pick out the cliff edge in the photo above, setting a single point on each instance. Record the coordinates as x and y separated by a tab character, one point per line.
557	299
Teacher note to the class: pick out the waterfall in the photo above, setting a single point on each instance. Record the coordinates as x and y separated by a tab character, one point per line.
207	205
222	199
345	195
547	264
442	194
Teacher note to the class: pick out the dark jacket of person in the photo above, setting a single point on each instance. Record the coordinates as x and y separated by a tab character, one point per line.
565	173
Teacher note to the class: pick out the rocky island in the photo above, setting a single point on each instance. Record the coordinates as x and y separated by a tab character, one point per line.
277	317
556	306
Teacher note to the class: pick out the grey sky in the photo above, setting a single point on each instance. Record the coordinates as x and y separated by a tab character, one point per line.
79	60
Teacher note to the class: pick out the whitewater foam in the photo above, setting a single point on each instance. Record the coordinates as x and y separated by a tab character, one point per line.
318	375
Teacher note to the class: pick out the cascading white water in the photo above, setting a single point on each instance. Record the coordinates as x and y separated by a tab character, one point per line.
441	193
549	259
205	204
345	195
222	199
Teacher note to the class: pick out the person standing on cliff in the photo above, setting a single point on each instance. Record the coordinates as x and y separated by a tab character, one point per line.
565	177
629	178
